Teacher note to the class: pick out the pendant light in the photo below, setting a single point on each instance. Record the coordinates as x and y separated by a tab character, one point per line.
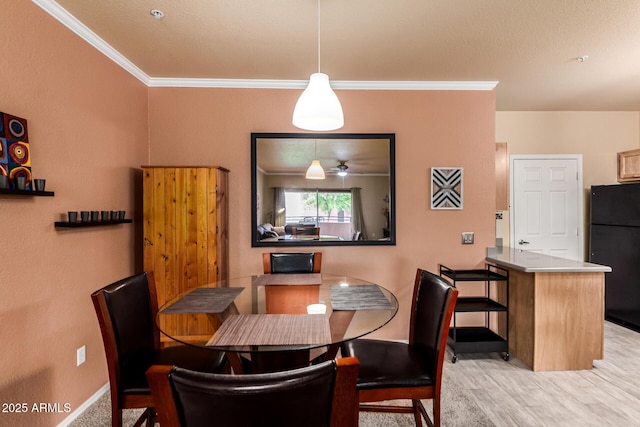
315	170
318	108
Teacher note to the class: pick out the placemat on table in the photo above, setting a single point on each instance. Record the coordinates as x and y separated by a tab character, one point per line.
204	300
366	297
272	329
289	279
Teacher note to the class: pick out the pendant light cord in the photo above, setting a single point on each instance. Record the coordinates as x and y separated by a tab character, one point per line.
318	35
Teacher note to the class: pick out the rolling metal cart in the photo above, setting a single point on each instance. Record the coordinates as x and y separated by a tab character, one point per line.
479	339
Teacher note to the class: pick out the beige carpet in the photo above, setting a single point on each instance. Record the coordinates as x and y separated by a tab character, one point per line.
458	410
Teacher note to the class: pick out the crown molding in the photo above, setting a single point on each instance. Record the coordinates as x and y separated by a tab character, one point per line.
335	84
228	83
69	21
414	85
72	23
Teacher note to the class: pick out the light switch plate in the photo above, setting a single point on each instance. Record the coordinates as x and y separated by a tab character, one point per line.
467	237
81	355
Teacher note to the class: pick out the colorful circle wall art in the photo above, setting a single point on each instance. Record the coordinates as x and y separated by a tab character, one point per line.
3	151
15	153
14	128
20	171
19	153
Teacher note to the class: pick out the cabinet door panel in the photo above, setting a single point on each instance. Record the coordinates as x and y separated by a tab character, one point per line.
182	213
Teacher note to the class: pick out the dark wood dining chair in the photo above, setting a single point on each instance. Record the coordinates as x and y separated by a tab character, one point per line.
318	395
392	370
285	263
126	312
291	262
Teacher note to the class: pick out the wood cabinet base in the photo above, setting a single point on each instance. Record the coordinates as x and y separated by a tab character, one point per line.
556	320
185	237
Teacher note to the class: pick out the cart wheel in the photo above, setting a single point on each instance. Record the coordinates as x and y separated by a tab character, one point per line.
506	357
454	359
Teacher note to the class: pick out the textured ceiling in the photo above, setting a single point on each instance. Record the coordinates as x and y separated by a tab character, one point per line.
293	155
529	46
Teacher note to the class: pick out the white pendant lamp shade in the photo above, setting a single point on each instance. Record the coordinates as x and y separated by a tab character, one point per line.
315	171
318	108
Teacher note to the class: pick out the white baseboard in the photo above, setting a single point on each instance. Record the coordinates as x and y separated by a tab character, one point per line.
93	399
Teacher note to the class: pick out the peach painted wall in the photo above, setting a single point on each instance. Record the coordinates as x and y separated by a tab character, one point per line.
456	128
87	122
597	135
90	124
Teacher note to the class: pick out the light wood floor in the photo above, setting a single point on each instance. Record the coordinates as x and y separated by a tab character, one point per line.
512	395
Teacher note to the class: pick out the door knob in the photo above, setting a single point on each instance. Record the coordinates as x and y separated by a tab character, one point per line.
522	242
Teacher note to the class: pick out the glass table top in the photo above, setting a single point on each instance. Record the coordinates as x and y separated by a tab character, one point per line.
277	312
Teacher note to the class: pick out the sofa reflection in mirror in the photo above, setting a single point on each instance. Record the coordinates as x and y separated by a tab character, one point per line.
292	232
267	230
352	204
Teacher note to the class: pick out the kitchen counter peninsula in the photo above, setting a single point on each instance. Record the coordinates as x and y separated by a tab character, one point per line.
556	309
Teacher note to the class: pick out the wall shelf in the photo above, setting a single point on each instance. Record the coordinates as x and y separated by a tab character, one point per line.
67	224
26	192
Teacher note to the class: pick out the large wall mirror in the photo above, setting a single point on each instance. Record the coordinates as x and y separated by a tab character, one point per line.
353	204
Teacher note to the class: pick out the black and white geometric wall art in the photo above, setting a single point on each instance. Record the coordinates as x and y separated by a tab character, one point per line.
446	188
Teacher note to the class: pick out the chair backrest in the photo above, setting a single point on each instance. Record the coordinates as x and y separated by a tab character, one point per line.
291	262
434	300
319	395
126	311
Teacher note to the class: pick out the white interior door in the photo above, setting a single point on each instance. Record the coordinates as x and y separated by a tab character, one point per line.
547	205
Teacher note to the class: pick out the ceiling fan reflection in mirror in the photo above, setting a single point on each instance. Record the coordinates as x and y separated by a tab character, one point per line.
341	169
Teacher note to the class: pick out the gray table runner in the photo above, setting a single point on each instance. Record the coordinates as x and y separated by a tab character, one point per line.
272	329
289	279
204	300
367	297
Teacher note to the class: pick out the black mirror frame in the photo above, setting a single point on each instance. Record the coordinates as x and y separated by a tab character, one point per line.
391	241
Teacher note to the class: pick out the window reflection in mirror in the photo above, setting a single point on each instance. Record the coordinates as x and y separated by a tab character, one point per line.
352	205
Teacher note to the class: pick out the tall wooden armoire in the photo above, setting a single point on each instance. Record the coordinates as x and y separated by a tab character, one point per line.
185	235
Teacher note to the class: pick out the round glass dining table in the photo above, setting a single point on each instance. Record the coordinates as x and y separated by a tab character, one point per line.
277	321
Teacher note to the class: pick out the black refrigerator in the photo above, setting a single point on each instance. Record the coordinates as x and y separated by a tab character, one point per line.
615	241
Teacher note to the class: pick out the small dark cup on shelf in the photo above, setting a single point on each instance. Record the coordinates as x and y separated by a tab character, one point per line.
121	215
73	216
84	216
114	216
104	215
39	184
21	182
94	216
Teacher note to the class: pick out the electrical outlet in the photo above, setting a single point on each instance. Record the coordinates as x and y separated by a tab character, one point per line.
467	237
81	355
